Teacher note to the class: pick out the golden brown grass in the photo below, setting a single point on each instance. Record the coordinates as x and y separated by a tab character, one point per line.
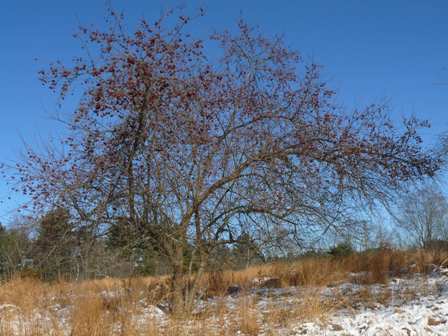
248	319
309	307
370	267
110	306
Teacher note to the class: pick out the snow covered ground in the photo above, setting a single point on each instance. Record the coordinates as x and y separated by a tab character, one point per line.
409	307
414	307
425	315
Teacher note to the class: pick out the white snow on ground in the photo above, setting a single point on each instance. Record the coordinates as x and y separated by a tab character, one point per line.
425	316
416	306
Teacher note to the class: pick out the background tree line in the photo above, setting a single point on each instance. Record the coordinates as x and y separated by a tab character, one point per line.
54	247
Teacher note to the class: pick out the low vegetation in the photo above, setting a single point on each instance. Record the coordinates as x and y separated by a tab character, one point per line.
112	306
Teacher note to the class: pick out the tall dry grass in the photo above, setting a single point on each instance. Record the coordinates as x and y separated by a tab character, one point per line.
370	267
117	307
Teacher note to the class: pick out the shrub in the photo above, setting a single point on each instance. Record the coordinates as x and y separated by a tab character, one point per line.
341	250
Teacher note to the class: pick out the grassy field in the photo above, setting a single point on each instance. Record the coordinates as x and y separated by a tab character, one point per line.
130	306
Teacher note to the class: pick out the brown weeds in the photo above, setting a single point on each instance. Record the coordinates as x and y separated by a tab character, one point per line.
110	306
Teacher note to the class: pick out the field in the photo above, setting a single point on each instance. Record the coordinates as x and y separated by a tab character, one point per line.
385	292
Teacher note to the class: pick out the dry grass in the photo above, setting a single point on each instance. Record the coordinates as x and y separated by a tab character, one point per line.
371	267
310	307
109	306
248	319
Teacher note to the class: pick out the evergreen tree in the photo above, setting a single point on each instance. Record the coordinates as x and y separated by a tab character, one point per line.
55	244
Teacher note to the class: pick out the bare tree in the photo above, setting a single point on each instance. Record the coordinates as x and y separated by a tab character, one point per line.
424	215
193	152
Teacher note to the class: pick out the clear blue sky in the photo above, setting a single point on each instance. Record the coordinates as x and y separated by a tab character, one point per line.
371	51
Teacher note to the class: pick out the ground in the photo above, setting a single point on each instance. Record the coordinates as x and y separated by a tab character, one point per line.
409	306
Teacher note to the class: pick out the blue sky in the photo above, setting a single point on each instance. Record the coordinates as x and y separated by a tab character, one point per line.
372	51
